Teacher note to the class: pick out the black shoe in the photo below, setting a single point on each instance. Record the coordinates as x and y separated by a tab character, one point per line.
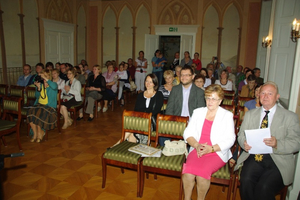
90	119
79	118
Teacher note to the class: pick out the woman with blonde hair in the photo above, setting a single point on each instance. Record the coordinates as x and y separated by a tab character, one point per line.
167	87
43	116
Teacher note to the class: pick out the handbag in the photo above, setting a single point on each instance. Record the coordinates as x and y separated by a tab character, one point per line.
174	148
67	97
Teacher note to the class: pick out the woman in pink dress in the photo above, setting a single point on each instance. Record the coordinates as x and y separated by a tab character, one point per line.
210	134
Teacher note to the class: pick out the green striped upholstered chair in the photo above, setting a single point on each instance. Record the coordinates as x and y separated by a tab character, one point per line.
30	95
240	111
74	110
166	126
118	155
11	105
3	90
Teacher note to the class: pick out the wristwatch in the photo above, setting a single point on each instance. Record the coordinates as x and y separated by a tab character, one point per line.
212	149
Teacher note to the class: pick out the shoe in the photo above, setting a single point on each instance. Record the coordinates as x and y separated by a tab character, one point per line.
69	122
122	102
79	118
65	126
33	139
38	140
99	108
90	119
104	109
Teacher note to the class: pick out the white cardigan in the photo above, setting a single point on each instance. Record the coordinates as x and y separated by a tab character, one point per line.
75	89
222	130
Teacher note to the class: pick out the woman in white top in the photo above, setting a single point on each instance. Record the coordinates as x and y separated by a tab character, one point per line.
60	82
71	96
141	71
224	82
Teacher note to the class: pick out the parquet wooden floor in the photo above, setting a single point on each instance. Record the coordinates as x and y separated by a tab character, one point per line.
68	166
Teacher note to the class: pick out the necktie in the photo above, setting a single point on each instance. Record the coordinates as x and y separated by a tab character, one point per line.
264	124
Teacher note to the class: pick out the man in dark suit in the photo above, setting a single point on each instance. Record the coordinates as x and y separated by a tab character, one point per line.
63	72
259	80
185	97
264	175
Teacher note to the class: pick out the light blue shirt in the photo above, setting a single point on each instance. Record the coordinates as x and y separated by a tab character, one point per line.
23	81
185	102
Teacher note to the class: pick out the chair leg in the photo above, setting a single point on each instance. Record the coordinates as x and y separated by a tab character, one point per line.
236	180
18	139
58	123
96	108
104	171
46	135
283	193
155	176
3	140
230	187
122	170
75	120
142	181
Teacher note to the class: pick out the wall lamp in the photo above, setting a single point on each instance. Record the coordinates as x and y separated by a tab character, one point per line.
295	30
266	42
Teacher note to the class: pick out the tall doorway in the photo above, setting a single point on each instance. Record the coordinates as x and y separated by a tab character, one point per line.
169	45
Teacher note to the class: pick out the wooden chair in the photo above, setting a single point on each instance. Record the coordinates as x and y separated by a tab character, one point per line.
166	126
119	156
230	108
73	110
163	110
229	94
17	91
3	90
240	111
11	106
30	95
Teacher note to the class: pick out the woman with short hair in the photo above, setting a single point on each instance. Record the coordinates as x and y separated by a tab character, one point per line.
224	82
210	134
167	87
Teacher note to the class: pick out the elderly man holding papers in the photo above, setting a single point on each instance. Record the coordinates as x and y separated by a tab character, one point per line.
264	175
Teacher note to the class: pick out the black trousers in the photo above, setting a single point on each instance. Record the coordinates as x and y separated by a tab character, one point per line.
260	180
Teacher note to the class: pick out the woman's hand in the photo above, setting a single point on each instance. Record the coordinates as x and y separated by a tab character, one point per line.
204	149
67	88
92	88
37	84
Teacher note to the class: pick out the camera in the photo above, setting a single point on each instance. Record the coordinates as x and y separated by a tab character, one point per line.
216	58
39	79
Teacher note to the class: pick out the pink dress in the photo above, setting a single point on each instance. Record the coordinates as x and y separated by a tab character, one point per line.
206	165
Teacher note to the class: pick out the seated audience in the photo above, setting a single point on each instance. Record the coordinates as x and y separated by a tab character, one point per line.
49	65
24	79
86	69
259	80
210	134
95	88
111	79
57	65
60	83
177	75
79	76
123	79
148	101
210	73
186	60
175	61
63	72
244	82
198	63
82	71
43	114
39	67
167	87
71	96
199	81
224	82
248	90
203	71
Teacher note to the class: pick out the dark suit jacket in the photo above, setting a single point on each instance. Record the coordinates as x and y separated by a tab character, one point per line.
285	128
196	100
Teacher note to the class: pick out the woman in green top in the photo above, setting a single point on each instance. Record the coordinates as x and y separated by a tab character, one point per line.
43	114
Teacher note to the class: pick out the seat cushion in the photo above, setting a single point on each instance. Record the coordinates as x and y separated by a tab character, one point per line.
153	133
5	125
120	153
222	173
173	163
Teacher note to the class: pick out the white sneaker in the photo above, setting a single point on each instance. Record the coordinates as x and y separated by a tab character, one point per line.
104	109
99	108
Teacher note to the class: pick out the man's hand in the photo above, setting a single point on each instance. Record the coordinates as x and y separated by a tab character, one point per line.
247	146
272	142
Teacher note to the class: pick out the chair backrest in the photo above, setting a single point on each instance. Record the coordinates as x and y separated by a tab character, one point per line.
30	94
227	101
82	92
136	122
164	106
3	89
229	94
243	100
59	98
170	126
17	91
12	105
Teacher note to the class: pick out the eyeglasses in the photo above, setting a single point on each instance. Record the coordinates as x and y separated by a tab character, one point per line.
211	99
186	75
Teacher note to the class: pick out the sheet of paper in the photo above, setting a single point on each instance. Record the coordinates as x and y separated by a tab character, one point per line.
255	139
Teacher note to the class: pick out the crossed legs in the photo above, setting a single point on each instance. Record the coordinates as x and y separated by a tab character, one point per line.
38	133
188	185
